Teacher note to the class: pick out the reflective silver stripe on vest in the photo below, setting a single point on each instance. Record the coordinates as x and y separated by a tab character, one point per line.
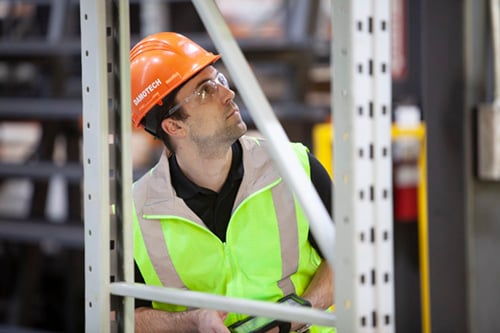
158	253
152	232
151	229
289	238
259	172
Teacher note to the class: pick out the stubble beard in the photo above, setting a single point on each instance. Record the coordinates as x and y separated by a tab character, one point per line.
217	144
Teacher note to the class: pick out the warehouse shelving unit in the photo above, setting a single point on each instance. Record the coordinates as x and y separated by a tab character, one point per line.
364	306
447	80
41	252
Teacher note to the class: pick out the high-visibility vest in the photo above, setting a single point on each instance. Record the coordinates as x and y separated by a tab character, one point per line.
266	254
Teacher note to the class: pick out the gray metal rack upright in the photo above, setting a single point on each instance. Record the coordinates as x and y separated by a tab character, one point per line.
363	305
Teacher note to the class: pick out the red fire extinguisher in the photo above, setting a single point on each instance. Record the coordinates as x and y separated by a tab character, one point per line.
405	151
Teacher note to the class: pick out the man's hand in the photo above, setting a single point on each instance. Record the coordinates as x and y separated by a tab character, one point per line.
211	321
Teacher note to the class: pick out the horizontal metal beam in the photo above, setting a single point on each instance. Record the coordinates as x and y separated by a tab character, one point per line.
18	329
12	108
36	231
45	2
224	303
73	172
39	48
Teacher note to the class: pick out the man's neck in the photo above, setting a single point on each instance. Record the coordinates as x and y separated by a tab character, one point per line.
206	171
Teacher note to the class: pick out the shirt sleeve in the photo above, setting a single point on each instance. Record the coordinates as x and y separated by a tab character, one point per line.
323	185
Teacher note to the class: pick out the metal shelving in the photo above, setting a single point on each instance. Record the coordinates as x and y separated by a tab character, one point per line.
58	108
42	253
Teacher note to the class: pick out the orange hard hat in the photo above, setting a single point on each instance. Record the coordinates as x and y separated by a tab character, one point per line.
160	63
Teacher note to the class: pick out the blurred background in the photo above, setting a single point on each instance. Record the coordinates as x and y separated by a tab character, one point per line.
442	70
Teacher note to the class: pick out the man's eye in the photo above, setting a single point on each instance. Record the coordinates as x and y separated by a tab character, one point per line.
206	90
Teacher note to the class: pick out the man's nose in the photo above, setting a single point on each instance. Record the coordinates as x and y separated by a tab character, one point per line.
226	93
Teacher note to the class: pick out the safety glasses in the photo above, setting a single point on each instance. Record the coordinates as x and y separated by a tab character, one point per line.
202	94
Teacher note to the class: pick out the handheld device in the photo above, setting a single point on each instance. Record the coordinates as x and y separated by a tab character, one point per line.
258	324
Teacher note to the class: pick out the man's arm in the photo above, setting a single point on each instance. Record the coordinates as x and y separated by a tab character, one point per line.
320	290
150	320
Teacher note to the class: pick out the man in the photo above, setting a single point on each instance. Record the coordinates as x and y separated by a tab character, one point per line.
214	215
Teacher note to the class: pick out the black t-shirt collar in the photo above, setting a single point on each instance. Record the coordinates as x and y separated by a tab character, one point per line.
186	189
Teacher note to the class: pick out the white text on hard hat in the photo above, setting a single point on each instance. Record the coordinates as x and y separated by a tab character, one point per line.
148	90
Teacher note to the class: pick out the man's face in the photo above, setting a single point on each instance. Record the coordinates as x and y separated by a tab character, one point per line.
213	116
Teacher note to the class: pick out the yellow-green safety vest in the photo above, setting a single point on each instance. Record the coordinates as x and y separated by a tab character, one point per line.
266	254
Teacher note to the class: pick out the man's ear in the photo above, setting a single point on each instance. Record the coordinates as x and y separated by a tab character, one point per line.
172	127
